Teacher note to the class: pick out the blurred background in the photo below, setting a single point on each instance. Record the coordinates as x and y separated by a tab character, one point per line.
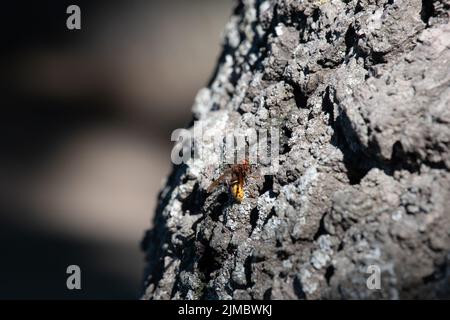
86	118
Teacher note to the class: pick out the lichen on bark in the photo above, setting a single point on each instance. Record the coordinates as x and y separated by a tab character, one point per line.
360	91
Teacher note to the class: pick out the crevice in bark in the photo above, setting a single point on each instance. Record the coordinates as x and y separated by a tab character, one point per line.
329	273
298	290
219	206
267	185
254	215
321	230
248	271
194	202
208	262
356	162
301	99
268	294
427	10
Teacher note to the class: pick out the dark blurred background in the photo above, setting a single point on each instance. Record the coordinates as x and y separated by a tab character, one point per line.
85	124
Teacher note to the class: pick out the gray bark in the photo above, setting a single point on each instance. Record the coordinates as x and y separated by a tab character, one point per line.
360	91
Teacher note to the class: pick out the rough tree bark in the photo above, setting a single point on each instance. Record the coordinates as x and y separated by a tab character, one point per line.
360	91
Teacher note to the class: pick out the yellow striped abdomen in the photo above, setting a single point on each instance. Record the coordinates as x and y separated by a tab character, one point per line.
237	189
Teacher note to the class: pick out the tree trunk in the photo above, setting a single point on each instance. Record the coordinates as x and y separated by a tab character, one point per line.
360	91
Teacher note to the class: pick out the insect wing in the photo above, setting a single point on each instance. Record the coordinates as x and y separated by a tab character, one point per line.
224	177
